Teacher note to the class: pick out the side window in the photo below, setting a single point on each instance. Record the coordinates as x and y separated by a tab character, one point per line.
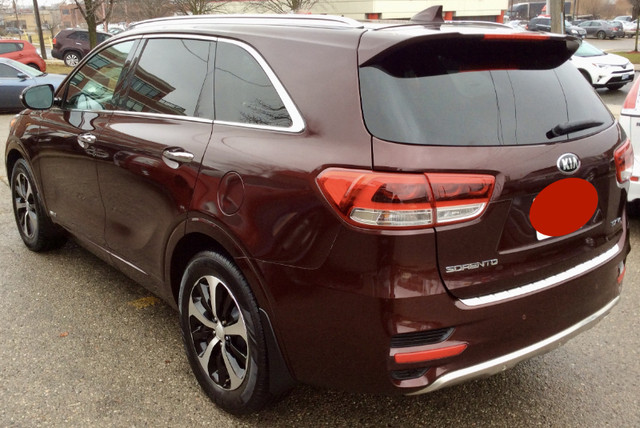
174	76
93	86
243	91
7	72
9	47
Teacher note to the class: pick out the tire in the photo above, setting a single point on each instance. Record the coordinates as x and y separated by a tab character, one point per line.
601	35
71	58
224	340
633	208
35	227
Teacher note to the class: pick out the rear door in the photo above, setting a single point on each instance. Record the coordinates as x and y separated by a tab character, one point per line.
506	107
12	83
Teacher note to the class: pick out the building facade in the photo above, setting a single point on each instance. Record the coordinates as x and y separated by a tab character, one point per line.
485	10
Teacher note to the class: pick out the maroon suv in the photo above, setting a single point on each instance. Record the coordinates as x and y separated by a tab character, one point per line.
385	207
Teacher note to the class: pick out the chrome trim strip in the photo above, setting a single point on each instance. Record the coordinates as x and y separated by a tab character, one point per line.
126	262
500	364
543	283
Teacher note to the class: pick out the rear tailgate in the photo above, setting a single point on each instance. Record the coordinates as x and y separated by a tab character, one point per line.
474	104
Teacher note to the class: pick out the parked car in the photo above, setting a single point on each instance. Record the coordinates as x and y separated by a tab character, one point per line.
15	77
517	24
630	122
618	28
603	69
630	28
599	28
543	23
427	218
13	30
22	51
623	18
71	45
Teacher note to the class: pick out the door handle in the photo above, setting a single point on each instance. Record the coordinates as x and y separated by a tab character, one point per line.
174	157
85	140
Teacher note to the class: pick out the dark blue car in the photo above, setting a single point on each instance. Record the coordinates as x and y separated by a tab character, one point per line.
15	77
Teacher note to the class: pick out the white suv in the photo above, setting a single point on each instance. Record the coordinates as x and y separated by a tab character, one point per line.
602	69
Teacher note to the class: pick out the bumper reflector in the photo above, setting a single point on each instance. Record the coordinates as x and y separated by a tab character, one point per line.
428	355
622	269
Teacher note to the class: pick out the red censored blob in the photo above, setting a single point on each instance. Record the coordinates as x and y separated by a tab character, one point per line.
563	207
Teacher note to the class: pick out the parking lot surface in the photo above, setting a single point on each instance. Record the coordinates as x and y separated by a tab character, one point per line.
82	345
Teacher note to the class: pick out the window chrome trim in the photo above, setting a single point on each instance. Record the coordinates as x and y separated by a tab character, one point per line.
160	115
297	122
543	283
500	364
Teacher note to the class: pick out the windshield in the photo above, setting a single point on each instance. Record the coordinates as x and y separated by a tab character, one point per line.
586	50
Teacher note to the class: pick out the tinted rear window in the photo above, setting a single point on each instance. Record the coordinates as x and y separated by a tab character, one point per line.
424	96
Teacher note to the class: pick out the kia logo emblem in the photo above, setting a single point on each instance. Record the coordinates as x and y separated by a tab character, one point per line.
568	163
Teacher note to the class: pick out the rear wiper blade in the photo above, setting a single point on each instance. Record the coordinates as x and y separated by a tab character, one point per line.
569	127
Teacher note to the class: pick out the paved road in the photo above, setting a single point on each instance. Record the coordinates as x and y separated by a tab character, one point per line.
81	345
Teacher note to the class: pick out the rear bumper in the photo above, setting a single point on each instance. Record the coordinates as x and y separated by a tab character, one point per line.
500	364
342	331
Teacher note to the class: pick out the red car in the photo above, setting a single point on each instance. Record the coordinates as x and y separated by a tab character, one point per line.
384	207
22	51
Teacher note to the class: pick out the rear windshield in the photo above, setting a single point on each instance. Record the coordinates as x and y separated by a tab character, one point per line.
424	96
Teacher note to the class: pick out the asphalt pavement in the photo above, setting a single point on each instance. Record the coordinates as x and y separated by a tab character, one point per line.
83	346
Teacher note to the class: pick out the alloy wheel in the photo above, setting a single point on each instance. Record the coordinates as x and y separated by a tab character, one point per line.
24	200
218	332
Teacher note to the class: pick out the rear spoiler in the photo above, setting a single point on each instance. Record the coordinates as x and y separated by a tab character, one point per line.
478	46
489	50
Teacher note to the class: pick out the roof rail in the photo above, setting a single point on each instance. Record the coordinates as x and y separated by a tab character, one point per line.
269	19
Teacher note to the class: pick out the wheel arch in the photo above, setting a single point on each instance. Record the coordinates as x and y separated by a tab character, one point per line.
10	161
204	235
586	75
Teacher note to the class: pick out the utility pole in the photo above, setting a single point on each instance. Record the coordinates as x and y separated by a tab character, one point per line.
36	13
557	16
15	10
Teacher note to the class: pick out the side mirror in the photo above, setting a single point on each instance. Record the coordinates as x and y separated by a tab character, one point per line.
39	97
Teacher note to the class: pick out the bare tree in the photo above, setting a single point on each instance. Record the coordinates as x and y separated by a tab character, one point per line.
197	7
284	6
138	10
592	7
635	8
91	12
635	13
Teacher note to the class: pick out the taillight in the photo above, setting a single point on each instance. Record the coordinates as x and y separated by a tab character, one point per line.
405	201
631	101
623	157
54	41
